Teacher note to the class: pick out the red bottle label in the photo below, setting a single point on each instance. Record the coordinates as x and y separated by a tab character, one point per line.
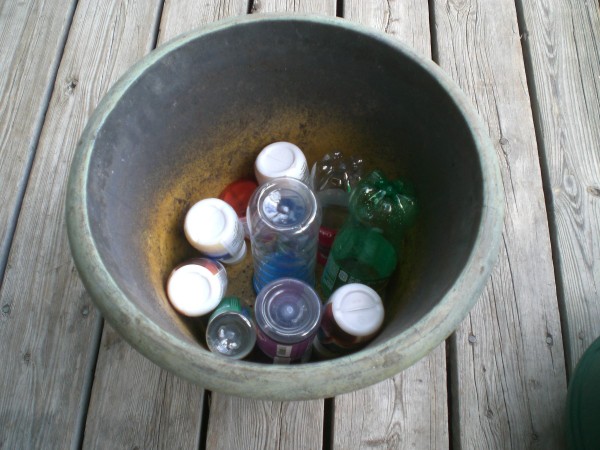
326	238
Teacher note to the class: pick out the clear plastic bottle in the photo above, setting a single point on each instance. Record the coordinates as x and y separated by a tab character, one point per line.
230	331
333	178
213	228
288	314
283	220
366	248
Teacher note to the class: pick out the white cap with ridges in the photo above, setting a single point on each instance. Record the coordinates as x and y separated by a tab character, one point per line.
281	159
195	289
357	309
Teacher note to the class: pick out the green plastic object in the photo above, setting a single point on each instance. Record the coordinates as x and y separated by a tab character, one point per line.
386	205
359	255
366	250
583	402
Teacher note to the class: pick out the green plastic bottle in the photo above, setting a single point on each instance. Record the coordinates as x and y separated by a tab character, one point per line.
366	249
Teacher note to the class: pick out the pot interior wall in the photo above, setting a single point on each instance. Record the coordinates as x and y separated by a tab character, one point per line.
194	121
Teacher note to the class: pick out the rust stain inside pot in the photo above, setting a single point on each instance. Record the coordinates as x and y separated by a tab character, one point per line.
213	165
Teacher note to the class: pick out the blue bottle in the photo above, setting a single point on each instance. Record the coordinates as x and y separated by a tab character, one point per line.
283	220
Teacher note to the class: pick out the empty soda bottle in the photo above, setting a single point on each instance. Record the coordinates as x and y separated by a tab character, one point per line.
333	177
367	247
288	313
283	220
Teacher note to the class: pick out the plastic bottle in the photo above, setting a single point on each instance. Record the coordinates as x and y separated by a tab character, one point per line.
352	317
288	314
333	177
281	159
213	228
196	287
283	220
230	331
366	248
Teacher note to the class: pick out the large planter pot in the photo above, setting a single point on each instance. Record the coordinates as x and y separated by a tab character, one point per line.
191	117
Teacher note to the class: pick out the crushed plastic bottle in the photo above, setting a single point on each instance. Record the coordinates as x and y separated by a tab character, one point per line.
333	178
366	249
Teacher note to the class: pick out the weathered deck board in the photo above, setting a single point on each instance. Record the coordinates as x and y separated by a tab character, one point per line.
180	16
294	425
324	7
408	21
51	329
411	409
135	404
31	43
406	411
241	423
165	411
508	365
563	43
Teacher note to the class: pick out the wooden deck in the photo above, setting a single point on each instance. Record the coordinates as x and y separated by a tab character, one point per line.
532	70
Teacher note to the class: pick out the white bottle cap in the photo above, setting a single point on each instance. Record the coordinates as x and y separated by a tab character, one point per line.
194	290
212	227
281	159
357	309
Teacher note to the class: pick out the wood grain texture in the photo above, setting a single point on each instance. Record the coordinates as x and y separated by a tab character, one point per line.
406	411
323	7
407	20
507	377
563	43
180	16
135	404
49	324
411	409
31	43
163	411
243	423
508	365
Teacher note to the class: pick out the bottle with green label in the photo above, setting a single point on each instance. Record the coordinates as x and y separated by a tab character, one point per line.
230	331
366	249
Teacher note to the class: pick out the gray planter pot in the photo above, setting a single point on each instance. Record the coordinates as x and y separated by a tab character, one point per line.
192	116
